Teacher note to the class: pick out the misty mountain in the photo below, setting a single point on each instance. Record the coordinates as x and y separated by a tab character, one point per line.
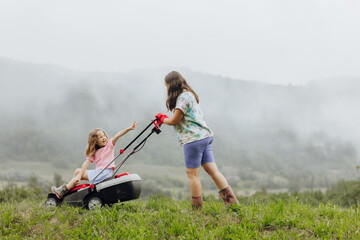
270	135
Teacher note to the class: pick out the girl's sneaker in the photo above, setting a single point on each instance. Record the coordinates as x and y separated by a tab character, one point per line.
60	191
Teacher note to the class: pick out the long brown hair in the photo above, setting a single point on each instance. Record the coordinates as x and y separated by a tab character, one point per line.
92	142
176	84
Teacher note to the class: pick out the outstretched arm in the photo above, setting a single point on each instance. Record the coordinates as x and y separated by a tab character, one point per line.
123	132
175	119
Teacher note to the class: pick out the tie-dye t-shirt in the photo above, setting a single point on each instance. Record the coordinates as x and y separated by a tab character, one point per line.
192	126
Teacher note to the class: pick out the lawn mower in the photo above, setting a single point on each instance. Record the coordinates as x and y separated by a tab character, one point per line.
122	187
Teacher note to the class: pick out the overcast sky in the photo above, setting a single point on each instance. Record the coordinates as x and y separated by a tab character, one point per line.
276	41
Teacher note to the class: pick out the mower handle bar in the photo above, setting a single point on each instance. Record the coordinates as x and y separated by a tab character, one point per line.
155	129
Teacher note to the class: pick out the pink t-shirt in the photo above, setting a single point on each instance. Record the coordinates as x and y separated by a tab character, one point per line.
104	155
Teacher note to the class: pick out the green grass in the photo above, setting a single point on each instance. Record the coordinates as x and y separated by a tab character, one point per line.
164	218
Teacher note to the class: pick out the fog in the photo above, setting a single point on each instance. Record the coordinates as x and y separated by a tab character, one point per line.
276	41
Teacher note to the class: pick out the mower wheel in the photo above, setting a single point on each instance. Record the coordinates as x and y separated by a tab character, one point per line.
94	202
51	202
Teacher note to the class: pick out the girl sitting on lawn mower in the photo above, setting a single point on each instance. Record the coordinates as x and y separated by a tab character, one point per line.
195	137
99	150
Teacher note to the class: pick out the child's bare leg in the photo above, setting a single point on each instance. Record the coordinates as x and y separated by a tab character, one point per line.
226	193
195	187
194	182
62	190
216	175
72	183
76	172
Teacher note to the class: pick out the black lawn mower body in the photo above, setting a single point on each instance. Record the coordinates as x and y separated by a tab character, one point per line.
123	188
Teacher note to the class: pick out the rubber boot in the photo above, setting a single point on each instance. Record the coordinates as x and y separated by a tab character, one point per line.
196	202
60	191
228	196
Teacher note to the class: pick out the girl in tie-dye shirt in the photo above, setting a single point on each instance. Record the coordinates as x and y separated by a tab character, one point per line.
192	126
195	137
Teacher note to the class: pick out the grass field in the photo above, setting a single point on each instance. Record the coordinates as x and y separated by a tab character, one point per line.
164	218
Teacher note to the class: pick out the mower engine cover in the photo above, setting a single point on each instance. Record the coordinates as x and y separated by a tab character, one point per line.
124	188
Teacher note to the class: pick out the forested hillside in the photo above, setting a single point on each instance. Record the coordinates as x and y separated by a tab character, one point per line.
271	136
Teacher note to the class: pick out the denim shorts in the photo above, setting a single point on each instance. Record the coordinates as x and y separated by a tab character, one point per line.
198	153
104	175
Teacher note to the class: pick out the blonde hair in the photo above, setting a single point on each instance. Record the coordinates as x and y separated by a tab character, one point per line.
92	142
